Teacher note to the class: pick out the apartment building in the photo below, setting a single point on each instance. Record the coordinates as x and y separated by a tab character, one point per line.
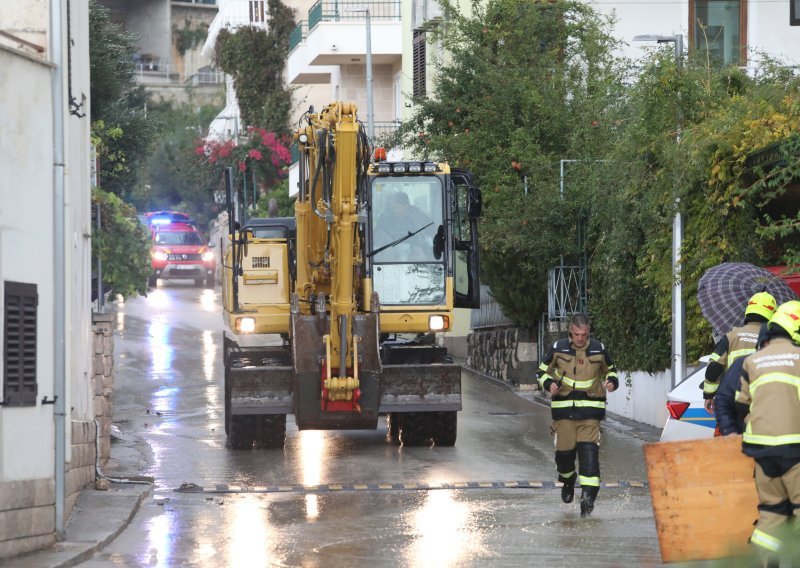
171	36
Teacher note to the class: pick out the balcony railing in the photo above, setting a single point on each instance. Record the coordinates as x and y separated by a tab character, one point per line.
163	71
298	35
334	11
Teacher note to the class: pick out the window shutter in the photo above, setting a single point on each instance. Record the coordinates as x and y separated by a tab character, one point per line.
19	344
418	57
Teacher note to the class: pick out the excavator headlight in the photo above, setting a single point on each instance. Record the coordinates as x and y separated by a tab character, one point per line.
399	168
438	323
414	168
303	138
430	167
246	325
384	168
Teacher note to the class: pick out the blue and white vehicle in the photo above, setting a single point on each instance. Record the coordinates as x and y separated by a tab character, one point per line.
688	419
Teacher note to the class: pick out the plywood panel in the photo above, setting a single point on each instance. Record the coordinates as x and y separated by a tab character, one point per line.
704	497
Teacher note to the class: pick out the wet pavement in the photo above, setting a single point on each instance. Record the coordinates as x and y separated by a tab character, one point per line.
345	498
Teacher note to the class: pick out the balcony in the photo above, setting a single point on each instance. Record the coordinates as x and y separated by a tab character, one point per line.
334	35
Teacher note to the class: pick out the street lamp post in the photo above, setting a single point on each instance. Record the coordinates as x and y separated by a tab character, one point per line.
678	303
370	115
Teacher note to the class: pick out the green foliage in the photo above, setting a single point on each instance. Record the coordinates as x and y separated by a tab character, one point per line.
173	179
725	116
278	196
187	37
123	245
111	64
256	59
119	119
525	84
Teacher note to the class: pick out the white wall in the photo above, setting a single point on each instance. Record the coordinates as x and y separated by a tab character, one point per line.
26	248
644	400
78	248
27	240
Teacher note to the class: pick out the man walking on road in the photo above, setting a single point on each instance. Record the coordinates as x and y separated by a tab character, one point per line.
577	372
770	385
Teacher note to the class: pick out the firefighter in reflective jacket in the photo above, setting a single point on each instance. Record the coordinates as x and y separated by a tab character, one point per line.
738	342
771	385
577	372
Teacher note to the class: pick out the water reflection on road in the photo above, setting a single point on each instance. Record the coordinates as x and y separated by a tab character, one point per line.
169	392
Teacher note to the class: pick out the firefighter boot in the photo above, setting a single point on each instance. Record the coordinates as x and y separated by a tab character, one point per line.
565	464
589	475
588	495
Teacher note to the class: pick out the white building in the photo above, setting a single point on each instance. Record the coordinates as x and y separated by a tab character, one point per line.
45	250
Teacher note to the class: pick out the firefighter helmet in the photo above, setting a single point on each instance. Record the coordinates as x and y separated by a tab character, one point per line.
762	304
787	316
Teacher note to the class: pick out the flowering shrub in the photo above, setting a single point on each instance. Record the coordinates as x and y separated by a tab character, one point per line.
259	151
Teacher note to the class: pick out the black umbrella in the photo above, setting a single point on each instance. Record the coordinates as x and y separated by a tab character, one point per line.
724	290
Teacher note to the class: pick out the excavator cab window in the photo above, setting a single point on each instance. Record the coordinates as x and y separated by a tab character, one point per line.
466	207
406	216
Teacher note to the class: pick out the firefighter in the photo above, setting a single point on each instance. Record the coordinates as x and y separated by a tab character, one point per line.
729	413
738	342
577	372
770	385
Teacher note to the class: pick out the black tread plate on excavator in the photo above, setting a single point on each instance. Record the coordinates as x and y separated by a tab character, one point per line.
415	388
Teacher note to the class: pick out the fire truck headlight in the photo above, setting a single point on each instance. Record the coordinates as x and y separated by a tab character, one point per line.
208	256
160	255
246	325
438	323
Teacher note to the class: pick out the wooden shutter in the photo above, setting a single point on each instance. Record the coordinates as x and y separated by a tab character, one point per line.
418	57
19	344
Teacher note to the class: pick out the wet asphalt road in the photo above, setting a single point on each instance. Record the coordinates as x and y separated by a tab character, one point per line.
168	396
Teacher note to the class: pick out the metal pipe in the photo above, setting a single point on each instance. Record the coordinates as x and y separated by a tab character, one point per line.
59	286
100	291
370	114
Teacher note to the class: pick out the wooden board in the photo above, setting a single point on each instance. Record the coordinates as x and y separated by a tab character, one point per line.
704	497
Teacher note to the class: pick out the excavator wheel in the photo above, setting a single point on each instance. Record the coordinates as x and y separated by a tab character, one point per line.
271	431
416	429
444	428
241	432
393	426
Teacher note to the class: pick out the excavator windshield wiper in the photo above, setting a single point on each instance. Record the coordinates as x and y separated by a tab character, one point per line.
400	240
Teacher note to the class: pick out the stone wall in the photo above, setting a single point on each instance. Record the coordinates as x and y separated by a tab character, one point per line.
103	380
508	353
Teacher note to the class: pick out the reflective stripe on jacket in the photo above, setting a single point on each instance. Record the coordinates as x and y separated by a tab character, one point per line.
580	374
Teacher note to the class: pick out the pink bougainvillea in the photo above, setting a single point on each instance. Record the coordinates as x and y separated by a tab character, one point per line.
264	153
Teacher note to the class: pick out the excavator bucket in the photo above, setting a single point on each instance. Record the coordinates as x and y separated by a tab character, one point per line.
704	498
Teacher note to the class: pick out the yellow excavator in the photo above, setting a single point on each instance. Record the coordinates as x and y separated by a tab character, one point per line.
335	315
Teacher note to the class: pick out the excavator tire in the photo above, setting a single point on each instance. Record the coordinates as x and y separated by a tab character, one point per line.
416	429
445	428
393	426
242	432
271	433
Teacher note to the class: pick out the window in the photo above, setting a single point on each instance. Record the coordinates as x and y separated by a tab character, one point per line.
418	57
720	27
794	12
19	344
257	11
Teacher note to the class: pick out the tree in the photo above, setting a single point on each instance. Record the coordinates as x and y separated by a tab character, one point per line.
123	245
256	59
116	103
524	85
